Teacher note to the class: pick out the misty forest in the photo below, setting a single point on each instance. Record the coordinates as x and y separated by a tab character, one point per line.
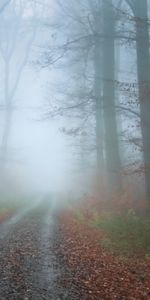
75	149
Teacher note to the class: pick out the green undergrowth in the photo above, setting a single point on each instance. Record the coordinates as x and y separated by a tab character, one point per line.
80	216
13	202
128	234
7	206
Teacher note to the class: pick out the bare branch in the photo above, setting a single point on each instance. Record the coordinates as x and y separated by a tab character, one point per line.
29	45
128	110
3	5
131	3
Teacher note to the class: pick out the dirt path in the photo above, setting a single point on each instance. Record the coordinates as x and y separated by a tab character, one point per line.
9	225
30	269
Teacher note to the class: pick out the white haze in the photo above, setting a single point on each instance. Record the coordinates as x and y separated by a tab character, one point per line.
38	154
40	157
38	145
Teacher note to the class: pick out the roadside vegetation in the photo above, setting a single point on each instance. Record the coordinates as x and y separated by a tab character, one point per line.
11	202
125	231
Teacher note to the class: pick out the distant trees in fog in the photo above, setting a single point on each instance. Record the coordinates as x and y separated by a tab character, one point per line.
100	51
96	32
17	34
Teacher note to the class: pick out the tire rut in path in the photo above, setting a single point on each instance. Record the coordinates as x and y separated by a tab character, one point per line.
18	251
11	257
47	270
29	266
8	226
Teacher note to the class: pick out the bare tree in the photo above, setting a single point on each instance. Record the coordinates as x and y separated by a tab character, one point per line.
8	49
140	12
3	5
108	68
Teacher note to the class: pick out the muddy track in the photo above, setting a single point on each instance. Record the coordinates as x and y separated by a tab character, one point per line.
29	265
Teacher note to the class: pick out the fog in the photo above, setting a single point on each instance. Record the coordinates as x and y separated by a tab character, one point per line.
72	120
42	149
74	149
37	153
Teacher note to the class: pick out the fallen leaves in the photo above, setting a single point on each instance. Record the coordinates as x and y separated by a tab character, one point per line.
5	215
98	273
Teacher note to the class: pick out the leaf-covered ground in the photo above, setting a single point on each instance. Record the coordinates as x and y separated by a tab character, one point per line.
5	215
46	255
30	268
99	274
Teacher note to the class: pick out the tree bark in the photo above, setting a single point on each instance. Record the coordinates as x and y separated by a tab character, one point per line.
113	163
98	101
6	135
8	118
143	70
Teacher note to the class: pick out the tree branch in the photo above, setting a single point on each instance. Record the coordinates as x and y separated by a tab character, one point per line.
131	3
128	110
29	45
3	5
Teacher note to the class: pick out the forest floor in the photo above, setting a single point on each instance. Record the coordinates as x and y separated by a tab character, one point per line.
100	273
6	214
30	268
49	255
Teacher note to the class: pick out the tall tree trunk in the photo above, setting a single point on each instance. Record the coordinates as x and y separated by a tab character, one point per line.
7	120
98	100
113	163
143	69
6	135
